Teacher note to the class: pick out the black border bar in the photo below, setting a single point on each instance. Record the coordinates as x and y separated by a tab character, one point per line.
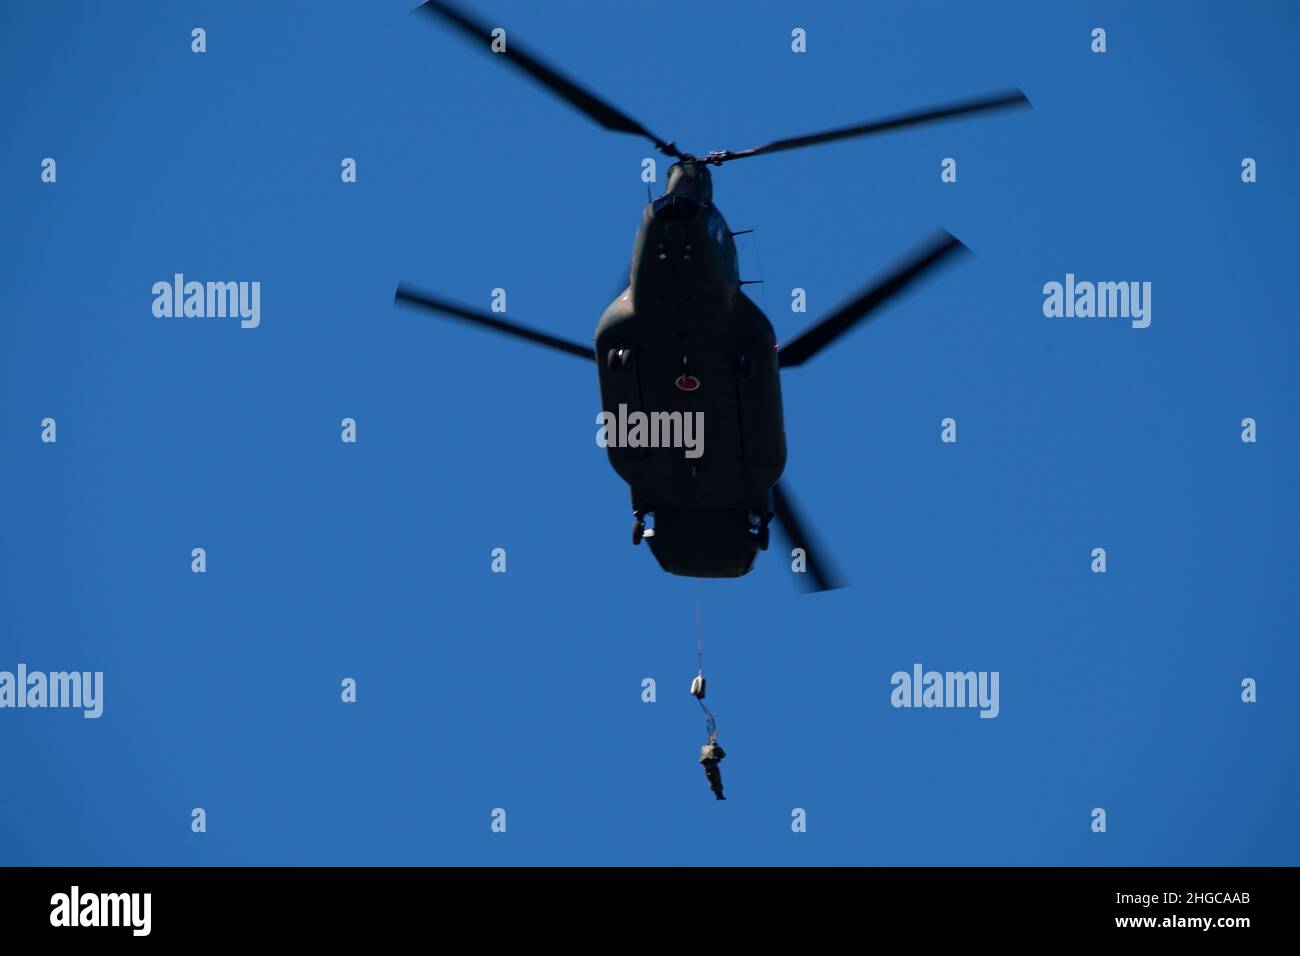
341	904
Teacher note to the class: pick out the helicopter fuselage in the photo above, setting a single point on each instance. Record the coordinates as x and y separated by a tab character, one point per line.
684	339
685	349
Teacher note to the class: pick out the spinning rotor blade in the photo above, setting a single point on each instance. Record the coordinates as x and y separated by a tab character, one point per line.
812	340
414	297
596	108
820	567
1005	100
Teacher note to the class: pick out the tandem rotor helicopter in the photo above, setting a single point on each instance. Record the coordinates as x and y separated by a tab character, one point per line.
683	338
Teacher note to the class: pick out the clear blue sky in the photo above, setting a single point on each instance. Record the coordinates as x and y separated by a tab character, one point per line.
523	690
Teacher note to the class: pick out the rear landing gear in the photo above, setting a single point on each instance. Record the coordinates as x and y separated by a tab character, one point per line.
638	529
758	528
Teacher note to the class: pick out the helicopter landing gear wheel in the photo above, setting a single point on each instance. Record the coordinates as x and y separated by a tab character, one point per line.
763	538
638	530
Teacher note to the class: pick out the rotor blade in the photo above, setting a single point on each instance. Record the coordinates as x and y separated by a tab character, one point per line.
414	297
997	101
596	108
812	340
820	567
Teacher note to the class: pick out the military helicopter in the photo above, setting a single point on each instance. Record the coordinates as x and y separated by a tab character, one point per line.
683	339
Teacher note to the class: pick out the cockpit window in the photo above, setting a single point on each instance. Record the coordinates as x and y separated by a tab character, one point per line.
672	206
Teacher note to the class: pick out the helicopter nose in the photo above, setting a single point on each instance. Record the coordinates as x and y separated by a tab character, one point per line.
675	208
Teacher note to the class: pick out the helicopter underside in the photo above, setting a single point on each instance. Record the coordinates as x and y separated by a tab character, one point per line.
684	340
717	375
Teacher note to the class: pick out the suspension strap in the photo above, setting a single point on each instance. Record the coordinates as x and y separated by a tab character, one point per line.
699	638
710	724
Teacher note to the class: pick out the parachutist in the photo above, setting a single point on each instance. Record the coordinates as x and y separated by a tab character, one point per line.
710	756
